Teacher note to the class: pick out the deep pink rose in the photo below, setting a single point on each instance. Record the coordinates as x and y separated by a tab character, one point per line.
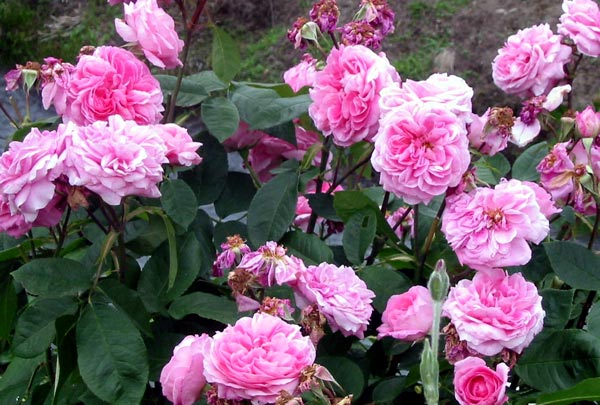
325	14
116	159
421	149
257	358
581	22
341	296
588	122
15	224
303	74
477	384
154	30
408	316
182	378
531	62
406	227
113	81
181	149
495	311
346	94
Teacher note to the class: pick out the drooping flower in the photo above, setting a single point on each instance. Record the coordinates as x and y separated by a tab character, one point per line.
408	316
379	15
490	133
182	378
325	13
257	358
421	149
243	138
492	227
270	264
233	250
477	384
15	224
581	22
361	33
345	94
56	77
495	311
294	34
531	62
303	74
153	29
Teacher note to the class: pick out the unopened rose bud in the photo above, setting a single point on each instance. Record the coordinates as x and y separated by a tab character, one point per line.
588	122
439	283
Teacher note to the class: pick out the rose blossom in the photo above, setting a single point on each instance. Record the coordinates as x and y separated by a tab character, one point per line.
581	22
113	81
491	227
421	149
476	384
495	311
116	158
181	150
489	133
303	74
408	316
154	30
233	251
270	264
361	33
544	199
588	122
257	358
341	296
345	94
243	138
325	14
56	77
182	378
407	226
531	62
15	224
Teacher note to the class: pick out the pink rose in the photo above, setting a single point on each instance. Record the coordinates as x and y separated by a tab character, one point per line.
554	169
270	264
486	137
303	74
531	62
154	30
243	138
408	316
303	210
588	122
544	199
182	378
232	252
406	227
581	22
257	358
113	81
56	78
15	224
476	384
495	311
345	94
421	149
116	159
341	296
181	150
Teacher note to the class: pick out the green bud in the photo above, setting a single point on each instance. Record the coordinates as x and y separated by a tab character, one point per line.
310	31
439	283
29	78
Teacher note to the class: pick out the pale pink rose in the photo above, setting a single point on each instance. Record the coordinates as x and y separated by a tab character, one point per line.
544	199
487	133
492	227
303	74
257	358
421	149
113	81
28	170
116	159
243	138
270	264
153	29
303	210
182	378
531	62
555	97
345	94
522	134
15	224
588	122
181	149
554	172
341	296
476	384
581	22
495	311
406	227
408	316
56	77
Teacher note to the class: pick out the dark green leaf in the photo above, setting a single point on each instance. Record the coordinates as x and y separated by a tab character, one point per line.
285	131
225	55
128	302
207	79
14	381
537	268
179	202
53	277
560	359
220	116
209	306
492	168
524	167
273	208
111	355
557	304
387	390
574	264
160	350
384	282
236	196
229	228
145	236
66	343
322	204
359	231
22	132
190	93
35	327
307	247
593	320
587	390
8	308
347	373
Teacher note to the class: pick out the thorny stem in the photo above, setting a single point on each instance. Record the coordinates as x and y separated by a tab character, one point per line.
402	218
30	236
312	222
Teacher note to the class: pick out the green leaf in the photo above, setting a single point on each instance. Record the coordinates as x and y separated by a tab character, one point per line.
492	168
226	60
53	277
387	390
285	131
307	247
66	361
557	360
229	228
359	232
346	372
557	304
322	204
593	320
236	196
273	208
209	306
207	180
524	167
384	282
221	117
264	108
207	79
15	379
128	302
537	268
111	355
179	202
191	93
35	327
22	132
587	390
574	264
8	308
